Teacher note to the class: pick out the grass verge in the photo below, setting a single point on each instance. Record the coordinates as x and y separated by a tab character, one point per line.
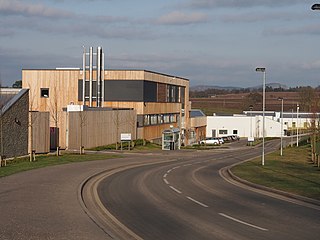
23	164
293	172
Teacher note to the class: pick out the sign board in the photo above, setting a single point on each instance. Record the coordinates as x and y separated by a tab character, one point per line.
125	137
250	139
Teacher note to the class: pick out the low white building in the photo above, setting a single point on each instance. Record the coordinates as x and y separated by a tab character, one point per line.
250	124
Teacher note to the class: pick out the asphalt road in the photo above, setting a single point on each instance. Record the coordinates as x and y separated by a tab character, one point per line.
161	195
188	199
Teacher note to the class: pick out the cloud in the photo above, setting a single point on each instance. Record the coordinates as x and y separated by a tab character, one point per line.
13	7
297	30
253	17
17	16
239	3
180	18
315	65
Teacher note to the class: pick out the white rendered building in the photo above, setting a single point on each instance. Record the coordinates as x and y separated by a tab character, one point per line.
250	124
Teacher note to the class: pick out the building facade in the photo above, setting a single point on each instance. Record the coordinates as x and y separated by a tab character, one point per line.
159	100
250	124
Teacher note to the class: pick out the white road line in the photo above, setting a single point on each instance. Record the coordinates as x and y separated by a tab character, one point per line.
197	202
176	167
242	222
176	190
165	175
186	165
169	171
166	181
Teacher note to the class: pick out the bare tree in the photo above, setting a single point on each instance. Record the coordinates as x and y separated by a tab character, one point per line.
32	119
82	123
54	113
132	120
307	98
1	130
116	120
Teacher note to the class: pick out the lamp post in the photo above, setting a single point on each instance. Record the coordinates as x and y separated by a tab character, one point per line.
251	108
297	125
315	6
263	70
281	145
292	127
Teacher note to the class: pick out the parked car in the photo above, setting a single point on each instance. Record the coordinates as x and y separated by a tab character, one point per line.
220	139
213	141
235	137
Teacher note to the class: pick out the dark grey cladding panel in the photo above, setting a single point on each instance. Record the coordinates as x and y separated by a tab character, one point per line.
150	91
123	90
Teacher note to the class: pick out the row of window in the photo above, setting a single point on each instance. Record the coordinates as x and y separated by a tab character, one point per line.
156	119
225	132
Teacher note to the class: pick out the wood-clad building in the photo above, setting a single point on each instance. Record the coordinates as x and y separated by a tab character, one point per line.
160	101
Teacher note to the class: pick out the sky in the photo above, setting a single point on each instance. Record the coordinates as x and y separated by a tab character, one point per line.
209	42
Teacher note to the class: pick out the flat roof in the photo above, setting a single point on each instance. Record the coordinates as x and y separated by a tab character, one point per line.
78	69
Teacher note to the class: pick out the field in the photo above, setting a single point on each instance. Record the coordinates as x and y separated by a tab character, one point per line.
236	103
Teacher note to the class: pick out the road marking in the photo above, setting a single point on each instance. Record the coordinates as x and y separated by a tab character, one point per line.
165	175
186	165
242	222
197	202
176	167
169	171
176	190
166	181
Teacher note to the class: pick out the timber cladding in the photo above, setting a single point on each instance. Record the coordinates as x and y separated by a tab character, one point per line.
98	128
62	86
149	93
40	130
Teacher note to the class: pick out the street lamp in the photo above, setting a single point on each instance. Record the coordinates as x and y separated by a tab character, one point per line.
281	146
297	125
251	108
263	70
315	6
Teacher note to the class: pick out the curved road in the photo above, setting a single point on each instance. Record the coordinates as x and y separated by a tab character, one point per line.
160	195
188	199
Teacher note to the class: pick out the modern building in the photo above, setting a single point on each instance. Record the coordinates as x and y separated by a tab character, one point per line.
249	124
160	101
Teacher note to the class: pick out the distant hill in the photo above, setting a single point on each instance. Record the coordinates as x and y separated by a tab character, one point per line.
199	88
272	85
206	87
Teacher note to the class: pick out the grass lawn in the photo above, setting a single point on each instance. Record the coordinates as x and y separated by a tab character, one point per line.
23	164
293	172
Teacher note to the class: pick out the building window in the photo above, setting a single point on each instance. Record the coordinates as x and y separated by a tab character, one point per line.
44	92
223	131
235	132
146	120
154	119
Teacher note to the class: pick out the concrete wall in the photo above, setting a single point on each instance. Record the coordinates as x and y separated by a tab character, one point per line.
14	126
